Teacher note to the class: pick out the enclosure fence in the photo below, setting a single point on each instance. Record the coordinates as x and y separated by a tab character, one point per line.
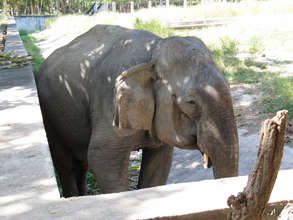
115	6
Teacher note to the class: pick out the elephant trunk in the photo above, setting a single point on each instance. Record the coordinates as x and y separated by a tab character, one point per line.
225	165
221	149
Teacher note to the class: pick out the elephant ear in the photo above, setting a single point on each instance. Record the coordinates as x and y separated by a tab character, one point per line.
134	100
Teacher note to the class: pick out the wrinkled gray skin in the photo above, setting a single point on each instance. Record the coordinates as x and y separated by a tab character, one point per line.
113	90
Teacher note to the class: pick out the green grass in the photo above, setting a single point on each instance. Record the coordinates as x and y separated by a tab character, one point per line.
30	44
50	22
92	184
278	95
235	69
277	91
256	46
153	26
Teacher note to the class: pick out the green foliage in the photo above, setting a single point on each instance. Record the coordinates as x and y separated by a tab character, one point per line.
229	46
236	70
30	44
92	184
153	26
134	168
250	63
278	95
278	92
50	22
256	46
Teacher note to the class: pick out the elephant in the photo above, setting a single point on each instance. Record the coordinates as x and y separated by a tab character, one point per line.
113	90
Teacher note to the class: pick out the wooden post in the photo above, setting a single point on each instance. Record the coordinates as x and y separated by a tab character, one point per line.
250	204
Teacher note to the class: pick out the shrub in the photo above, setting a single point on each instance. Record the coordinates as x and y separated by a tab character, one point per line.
278	95
153	26
256	46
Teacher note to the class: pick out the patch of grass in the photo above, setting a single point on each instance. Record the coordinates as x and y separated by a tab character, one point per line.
30	45
92	184
50	22
217	9
250	62
235	69
153	26
278	95
229	46
256	46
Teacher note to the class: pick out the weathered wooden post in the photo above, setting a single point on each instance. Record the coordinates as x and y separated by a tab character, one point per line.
113	6
149	4
250	204
131	7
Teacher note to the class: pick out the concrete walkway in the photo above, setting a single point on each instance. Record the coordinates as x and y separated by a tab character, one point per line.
27	177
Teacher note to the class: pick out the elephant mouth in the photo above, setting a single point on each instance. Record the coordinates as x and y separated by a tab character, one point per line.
207	162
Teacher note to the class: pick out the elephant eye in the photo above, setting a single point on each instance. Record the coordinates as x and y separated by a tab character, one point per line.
191	102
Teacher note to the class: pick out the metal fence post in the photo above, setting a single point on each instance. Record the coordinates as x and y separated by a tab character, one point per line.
131	7
150	4
184	3
114	6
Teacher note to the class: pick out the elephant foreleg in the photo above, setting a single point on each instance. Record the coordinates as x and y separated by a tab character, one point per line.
155	166
110	168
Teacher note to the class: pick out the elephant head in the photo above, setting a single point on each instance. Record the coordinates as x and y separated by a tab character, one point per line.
181	98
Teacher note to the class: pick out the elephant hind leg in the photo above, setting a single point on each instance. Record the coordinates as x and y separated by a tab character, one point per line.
63	163
80	171
155	166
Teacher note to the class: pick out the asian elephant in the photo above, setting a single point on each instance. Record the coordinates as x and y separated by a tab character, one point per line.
113	90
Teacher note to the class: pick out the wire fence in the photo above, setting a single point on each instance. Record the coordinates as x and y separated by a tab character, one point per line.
117	6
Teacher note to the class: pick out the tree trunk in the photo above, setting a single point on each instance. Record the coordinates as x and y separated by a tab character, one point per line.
32	8
51	10
25	8
57	6
15	7
250	204
78	6
4	8
63	5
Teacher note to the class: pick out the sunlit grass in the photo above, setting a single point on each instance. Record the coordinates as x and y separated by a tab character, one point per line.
78	24
278	95
217	9
155	27
30	45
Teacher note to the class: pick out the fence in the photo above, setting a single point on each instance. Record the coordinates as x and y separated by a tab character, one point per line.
31	23
127	6
130	6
